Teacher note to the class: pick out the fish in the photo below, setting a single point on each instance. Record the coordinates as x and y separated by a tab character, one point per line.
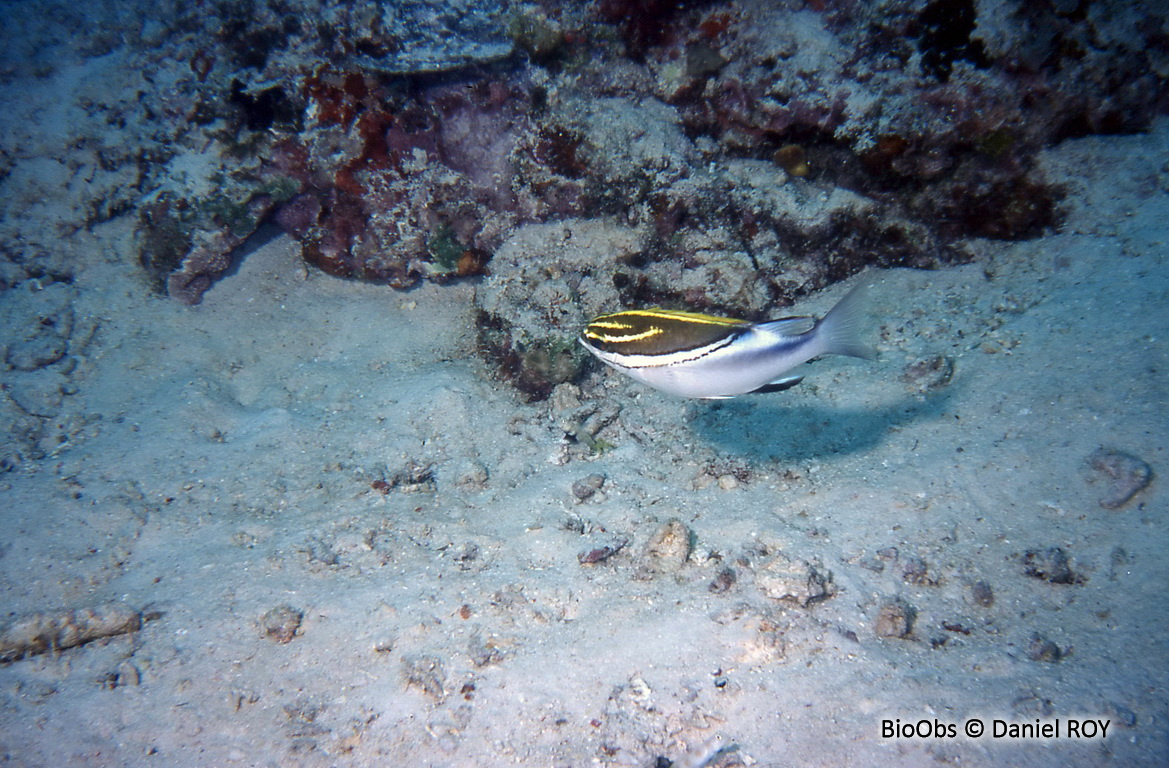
690	354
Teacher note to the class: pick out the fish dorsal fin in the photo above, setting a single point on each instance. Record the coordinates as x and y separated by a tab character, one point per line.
787	326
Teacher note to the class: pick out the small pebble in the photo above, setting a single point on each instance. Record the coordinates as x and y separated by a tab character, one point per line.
565	397
928	374
723	581
575	525
415	477
1042	649
587	486
915	570
1127	474
426	673
282	623
668	548
894	620
702	481
982	594
728	482
484	651
954	626
471	475
795	581
1049	565
602	553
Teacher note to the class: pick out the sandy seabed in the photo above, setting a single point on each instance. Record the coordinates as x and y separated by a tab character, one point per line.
339	542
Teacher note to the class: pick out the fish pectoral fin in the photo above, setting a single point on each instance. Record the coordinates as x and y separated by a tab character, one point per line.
779	385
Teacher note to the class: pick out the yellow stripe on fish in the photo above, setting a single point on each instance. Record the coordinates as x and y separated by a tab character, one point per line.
696	355
658	331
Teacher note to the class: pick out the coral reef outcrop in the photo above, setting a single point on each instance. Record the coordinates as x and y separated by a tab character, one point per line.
756	152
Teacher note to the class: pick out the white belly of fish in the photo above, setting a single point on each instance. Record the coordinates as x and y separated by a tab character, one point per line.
754	360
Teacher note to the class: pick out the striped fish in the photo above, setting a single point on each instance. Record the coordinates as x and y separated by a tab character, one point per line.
695	355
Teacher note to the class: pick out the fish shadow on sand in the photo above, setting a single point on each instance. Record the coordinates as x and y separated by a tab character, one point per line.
763	428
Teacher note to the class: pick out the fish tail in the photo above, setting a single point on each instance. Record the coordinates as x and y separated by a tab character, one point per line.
839	331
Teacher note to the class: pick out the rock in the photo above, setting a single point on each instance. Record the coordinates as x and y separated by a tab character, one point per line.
42	632
723	581
1050	565
536	298
628	142
797	581
468	556
702	481
894	620
982	594
728	482
427	40
412	477
668	549
425	672
585	488
485	651
565	397
602	552
1042	649
282	623
928	374
915	570
471	475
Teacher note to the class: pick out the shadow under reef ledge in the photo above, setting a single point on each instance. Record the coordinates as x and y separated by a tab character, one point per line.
767	429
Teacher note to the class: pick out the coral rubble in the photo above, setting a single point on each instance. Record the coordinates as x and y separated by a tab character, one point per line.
58	630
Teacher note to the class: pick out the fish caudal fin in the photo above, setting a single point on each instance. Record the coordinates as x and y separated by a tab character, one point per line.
839	331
